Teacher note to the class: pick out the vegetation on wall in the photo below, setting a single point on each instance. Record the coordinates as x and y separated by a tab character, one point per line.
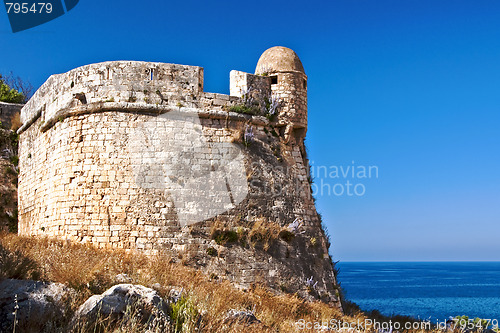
254	104
258	234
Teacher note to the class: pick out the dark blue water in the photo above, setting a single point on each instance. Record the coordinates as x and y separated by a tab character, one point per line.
433	290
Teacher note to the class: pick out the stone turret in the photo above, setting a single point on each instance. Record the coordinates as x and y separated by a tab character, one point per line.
289	84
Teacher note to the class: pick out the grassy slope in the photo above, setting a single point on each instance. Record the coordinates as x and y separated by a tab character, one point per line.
90	271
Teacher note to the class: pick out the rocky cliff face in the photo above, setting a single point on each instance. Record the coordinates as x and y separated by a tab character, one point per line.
8	180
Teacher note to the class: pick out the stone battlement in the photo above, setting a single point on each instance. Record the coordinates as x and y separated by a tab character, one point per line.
134	86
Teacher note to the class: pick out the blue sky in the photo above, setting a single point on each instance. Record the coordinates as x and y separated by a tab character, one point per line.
412	87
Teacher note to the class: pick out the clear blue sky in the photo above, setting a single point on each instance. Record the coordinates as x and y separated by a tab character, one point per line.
410	86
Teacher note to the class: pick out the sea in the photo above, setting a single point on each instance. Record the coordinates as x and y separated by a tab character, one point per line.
424	290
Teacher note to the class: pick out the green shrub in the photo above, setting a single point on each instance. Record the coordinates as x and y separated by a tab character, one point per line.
184	316
212	252
9	95
14	160
240	108
225	236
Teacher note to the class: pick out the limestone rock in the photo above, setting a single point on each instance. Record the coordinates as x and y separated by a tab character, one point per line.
122	304
241	317
175	294
123	278
32	304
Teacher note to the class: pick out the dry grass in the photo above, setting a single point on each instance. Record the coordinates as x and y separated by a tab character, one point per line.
260	233
264	232
90	270
16	121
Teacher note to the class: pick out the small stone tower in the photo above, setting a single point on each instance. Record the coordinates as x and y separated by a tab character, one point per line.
289	84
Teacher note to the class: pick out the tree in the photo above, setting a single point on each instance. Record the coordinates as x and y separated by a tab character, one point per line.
10	95
14	90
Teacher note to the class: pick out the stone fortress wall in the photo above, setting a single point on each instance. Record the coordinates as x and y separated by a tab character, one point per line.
8	113
136	155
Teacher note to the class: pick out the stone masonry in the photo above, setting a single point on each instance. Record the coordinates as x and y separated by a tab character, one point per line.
135	155
8	114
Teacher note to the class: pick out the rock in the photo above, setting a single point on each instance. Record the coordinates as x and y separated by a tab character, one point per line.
156	286
123	278
175	294
241	317
122	305
35	305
